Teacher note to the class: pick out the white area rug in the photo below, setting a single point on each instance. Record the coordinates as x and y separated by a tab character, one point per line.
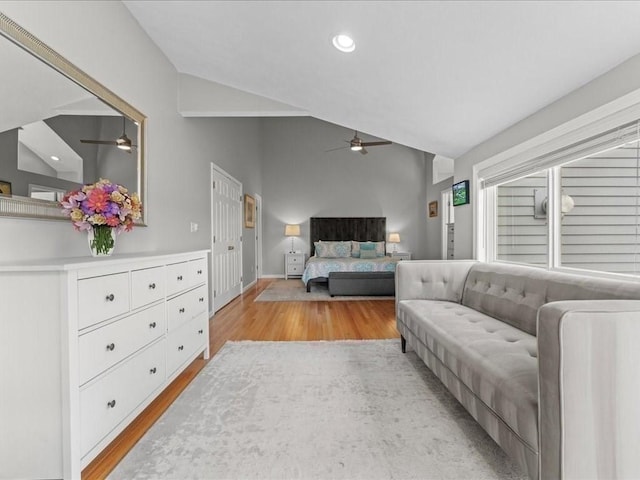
316	410
296	291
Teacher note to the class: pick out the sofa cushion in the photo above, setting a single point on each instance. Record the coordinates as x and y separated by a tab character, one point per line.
496	361
514	293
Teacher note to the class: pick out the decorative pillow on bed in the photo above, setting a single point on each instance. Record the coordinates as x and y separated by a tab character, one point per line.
333	249
377	246
368	253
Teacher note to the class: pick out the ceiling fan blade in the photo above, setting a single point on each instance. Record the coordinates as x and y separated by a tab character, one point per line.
334	149
374	144
364	151
100	142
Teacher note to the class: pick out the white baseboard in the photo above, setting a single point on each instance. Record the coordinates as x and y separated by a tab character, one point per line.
279	275
244	290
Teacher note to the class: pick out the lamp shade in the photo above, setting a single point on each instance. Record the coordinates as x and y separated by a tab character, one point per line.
292	230
394	237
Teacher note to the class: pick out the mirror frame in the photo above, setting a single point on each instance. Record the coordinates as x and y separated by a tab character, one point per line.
25	207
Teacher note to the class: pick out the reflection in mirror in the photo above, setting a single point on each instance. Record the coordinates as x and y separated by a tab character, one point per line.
59	129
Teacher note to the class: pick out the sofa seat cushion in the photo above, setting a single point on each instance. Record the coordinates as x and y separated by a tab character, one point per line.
496	361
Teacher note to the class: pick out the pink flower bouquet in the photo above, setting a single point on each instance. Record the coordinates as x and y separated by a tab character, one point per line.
102	206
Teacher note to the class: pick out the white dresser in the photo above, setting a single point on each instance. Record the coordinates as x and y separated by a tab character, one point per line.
85	345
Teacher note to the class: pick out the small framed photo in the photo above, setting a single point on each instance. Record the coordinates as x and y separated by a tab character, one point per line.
249	211
5	187
433	208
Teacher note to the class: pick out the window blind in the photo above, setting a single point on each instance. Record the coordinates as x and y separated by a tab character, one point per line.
510	170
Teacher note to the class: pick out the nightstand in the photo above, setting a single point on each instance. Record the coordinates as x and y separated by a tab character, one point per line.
293	265
401	255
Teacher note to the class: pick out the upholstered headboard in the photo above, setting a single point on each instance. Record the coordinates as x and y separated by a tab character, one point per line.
360	229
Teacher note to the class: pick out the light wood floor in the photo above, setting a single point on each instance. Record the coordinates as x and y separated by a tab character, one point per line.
243	319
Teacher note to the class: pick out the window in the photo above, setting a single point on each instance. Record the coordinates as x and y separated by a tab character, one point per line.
601	230
521	235
575	207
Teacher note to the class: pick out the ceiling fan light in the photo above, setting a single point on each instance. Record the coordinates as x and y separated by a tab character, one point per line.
123	143
356	148
344	43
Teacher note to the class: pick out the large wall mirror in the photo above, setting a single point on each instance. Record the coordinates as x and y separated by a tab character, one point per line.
59	129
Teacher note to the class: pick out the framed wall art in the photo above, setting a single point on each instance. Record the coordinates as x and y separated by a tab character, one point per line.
249	211
433	208
461	193
5	188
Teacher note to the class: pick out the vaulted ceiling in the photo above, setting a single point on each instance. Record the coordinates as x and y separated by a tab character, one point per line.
439	76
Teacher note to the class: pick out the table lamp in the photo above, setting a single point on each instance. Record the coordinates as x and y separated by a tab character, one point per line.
394	237
292	231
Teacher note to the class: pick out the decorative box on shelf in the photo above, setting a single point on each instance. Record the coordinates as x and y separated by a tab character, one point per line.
293	265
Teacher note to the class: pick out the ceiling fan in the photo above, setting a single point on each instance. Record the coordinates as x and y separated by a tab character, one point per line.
357	145
122	142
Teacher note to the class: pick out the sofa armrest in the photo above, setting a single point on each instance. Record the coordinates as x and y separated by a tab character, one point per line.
589	389
431	279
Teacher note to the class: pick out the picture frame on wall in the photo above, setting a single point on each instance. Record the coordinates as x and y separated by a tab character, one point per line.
461	194
5	188
249	211
433	208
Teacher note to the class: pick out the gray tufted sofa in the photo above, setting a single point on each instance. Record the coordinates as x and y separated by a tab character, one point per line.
548	363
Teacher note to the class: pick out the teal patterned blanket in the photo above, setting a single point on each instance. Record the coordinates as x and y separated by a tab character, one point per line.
320	267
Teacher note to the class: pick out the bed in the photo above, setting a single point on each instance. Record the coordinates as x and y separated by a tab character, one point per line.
346	229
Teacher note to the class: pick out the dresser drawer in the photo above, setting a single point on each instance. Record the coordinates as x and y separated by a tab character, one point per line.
101	298
186	306
185	341
147	286
295	269
295	259
197	271
102	348
106	402
177	277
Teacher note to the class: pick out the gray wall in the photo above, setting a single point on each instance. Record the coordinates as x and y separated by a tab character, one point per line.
93	35
232	144
302	180
283	160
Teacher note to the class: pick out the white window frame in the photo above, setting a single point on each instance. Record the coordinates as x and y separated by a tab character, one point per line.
523	158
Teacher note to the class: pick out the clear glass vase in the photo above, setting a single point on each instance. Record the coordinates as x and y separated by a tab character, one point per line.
102	240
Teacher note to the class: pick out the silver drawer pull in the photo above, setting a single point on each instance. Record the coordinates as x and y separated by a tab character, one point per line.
152	371
181	347
181	310
152	286
111	404
200	331
152	325
230	247
110	298
179	278
111	347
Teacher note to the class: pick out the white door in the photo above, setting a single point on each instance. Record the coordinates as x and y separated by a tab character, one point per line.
226	226
446	200
258	236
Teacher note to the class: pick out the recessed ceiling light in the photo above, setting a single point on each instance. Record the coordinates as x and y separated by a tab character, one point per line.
344	43
54	158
